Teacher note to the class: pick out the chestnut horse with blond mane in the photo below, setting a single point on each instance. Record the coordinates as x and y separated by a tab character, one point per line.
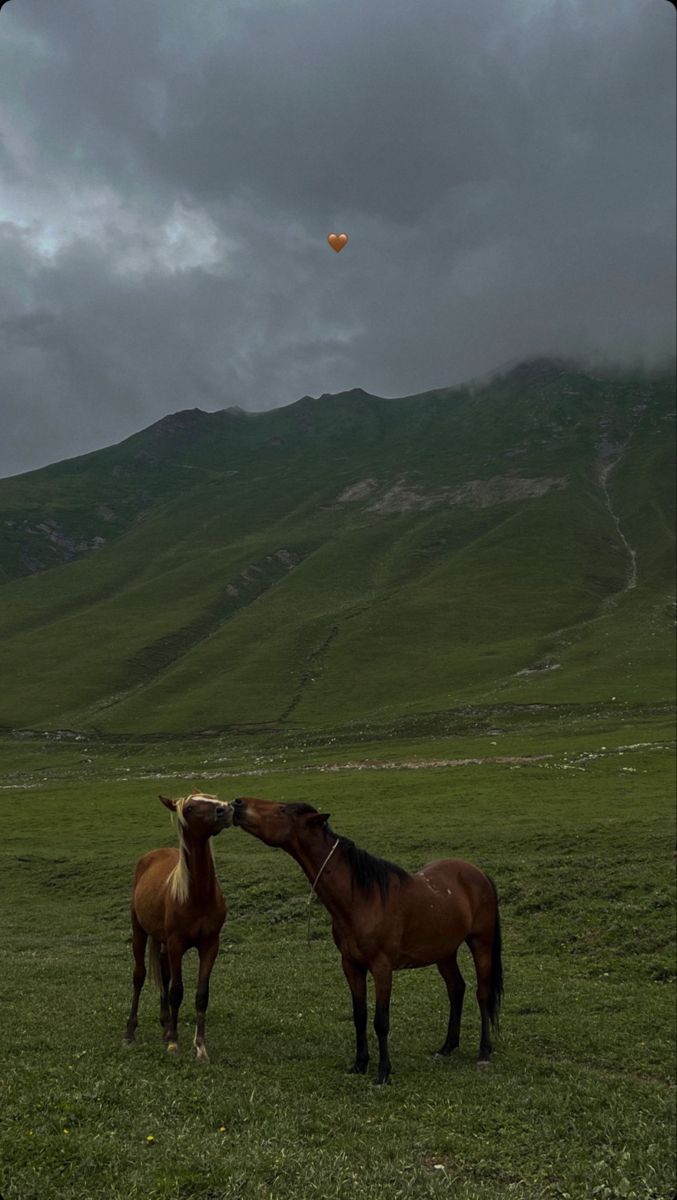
385	920
177	904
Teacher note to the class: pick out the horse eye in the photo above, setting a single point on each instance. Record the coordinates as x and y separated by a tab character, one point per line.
188	809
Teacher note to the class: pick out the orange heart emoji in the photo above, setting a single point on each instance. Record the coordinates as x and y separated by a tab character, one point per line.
337	241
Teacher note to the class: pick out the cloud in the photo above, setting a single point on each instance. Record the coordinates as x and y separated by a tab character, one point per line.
170	173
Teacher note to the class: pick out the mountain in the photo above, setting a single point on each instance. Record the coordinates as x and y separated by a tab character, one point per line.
349	558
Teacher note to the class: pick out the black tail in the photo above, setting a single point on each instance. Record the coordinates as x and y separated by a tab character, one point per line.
496	993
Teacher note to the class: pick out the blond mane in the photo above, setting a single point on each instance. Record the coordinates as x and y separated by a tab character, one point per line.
178	880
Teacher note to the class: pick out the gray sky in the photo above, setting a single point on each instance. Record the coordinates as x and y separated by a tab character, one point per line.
170	170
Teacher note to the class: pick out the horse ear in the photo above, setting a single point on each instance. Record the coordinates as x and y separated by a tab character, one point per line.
170	804
318	818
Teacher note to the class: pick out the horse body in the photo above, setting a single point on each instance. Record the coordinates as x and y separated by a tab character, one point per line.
445	902
177	904
204	911
385	920
422	920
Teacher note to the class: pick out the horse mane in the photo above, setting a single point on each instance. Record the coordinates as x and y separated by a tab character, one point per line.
367	870
178	880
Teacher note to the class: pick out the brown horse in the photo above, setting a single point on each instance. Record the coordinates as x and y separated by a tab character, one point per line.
177	903
385	920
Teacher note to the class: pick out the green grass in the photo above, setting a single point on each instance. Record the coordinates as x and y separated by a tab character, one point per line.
580	1099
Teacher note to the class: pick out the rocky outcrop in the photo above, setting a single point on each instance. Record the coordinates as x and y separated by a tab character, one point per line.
405	497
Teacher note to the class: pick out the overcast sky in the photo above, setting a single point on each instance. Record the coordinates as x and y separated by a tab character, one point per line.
170	170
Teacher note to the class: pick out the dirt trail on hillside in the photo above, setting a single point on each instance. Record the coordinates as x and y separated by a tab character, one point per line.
417	764
605	470
407	764
566	760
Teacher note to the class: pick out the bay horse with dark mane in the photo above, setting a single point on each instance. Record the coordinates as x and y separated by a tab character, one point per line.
385	919
177	903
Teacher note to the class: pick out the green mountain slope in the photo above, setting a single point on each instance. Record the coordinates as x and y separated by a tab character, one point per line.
349	558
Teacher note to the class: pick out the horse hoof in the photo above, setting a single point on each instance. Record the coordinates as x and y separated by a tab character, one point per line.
172	1047
443	1052
201	1054
358	1069
127	1041
484	1062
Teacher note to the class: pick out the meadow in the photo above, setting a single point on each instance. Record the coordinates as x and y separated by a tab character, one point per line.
580	1099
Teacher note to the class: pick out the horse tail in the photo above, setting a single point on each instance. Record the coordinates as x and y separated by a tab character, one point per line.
154	965
496	985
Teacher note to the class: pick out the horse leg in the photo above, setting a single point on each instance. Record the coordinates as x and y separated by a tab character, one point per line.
383	982
175	949
208	952
356	977
139	939
480	948
451	975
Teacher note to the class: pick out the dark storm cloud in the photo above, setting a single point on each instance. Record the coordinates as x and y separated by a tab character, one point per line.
170	173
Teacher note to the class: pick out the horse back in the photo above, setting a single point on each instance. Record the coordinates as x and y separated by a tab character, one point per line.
448	871
462	889
159	862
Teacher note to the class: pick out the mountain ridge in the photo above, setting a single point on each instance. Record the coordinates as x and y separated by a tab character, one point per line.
435	547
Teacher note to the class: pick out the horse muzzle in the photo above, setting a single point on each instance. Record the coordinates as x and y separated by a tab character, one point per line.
239	808
224	816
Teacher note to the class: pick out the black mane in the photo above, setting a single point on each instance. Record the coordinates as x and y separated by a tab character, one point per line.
367	870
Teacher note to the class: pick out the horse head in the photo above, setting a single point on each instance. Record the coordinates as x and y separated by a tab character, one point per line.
201	816
276	824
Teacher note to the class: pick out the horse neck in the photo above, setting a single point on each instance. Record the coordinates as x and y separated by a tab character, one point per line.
333	887
199	859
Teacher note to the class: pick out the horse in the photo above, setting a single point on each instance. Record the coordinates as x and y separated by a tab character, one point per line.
385	919
177	903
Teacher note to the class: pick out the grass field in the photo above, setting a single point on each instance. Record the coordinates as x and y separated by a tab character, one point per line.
580	1099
